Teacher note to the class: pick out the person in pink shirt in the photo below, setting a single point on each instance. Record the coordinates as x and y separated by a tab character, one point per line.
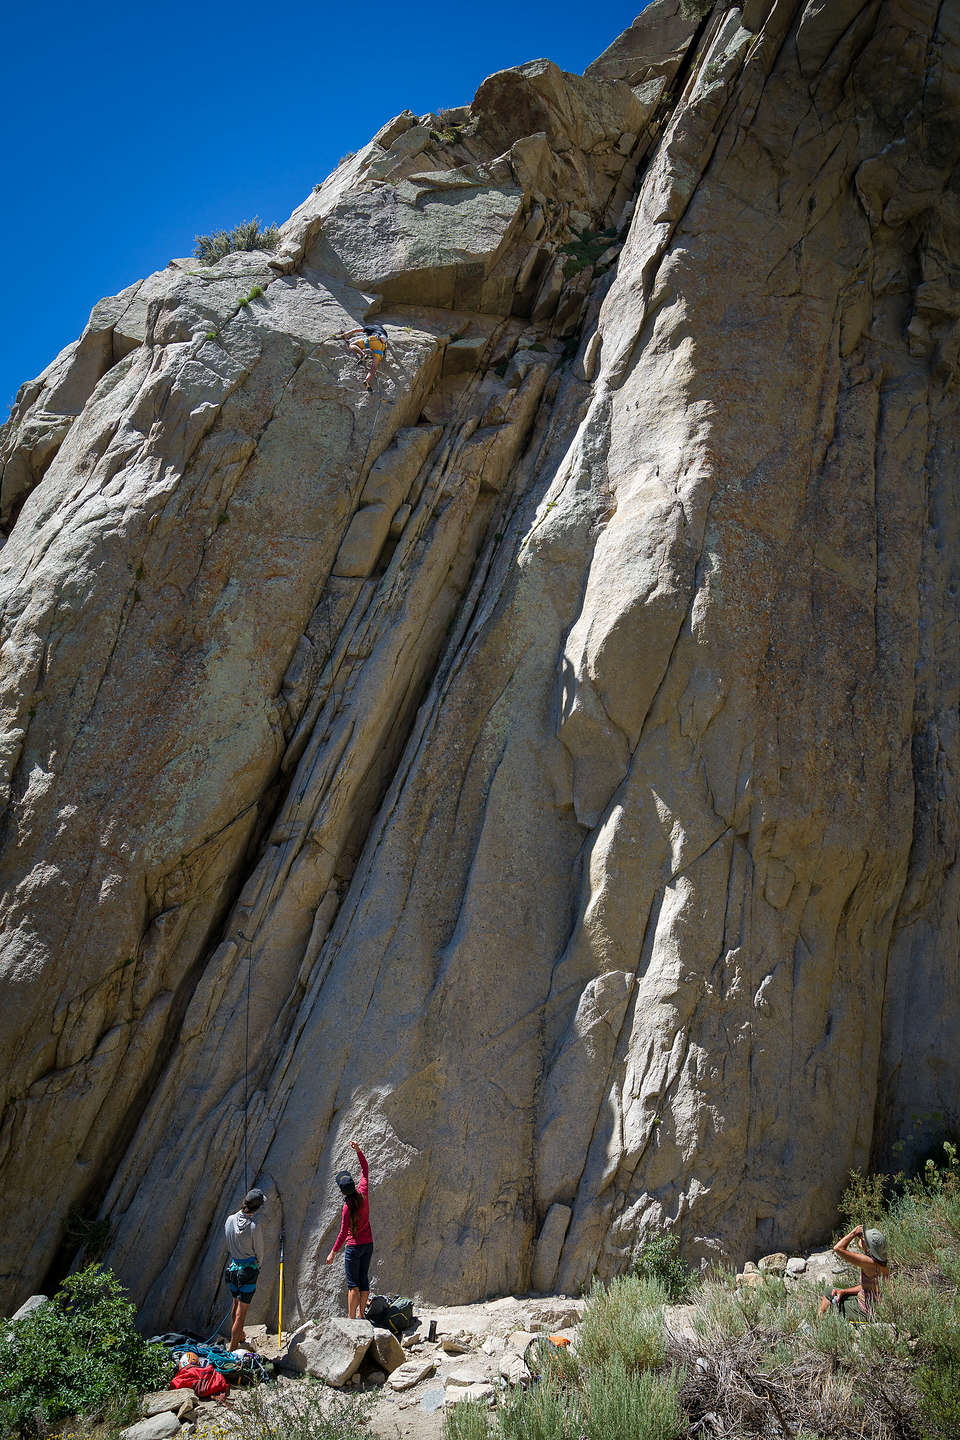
356	1236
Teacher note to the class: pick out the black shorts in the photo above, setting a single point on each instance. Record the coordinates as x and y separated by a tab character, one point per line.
242	1279
356	1263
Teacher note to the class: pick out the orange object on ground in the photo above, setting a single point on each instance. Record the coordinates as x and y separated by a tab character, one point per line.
559	1339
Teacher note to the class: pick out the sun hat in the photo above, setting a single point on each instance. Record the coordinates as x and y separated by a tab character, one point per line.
876	1245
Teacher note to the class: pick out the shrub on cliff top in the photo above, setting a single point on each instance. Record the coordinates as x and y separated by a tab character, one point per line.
245	236
80	1354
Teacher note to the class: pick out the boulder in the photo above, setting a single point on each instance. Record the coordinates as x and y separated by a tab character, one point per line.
410	1373
773	1264
157	1427
473	1370
181	1402
29	1306
479	1392
387	1350
423	242
552	1315
823	1268
513	1368
331	1349
459	1343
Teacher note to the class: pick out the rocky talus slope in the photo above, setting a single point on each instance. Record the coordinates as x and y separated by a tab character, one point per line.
543	769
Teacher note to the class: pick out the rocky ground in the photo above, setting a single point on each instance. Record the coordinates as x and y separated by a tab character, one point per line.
454	1353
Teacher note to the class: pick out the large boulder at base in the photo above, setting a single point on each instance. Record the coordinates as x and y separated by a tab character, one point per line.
330	1349
181	1402
411	1372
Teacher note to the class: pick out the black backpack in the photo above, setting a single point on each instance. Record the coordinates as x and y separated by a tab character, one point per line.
395	1315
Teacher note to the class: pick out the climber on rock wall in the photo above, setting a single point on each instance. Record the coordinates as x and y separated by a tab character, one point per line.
373	344
355	1231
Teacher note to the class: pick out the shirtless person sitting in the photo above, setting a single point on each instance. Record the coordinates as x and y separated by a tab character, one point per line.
860	1301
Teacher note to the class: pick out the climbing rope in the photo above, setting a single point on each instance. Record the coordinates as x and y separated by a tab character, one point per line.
374	425
220	1328
247	942
246	1058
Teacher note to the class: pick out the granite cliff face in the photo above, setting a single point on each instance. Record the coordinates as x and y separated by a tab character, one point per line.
543	769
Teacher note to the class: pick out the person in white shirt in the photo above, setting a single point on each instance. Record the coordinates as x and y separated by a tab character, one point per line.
245	1249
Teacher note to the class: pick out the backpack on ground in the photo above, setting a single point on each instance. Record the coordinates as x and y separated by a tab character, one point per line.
395	1315
377	1308
205	1381
399	1316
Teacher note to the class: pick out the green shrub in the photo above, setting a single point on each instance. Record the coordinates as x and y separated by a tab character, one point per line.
659	1260
306	1410
612	1402
586	249
78	1355
466	1421
623	1322
245	236
549	1411
863	1200
644	1406
938	1389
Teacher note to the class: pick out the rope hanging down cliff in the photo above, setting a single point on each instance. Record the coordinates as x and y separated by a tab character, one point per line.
375	341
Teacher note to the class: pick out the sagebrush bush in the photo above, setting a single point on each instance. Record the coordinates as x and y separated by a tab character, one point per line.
938	1388
643	1405
80	1354
610	1389
623	1322
549	1411
467	1421
307	1410
246	236
863	1200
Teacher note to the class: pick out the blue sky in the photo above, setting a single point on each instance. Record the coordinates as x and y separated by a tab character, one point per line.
127	130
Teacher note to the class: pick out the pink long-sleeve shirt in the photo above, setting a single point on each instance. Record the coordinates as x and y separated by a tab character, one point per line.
361	1234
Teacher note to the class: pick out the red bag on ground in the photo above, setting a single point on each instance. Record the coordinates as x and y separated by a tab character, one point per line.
203	1380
